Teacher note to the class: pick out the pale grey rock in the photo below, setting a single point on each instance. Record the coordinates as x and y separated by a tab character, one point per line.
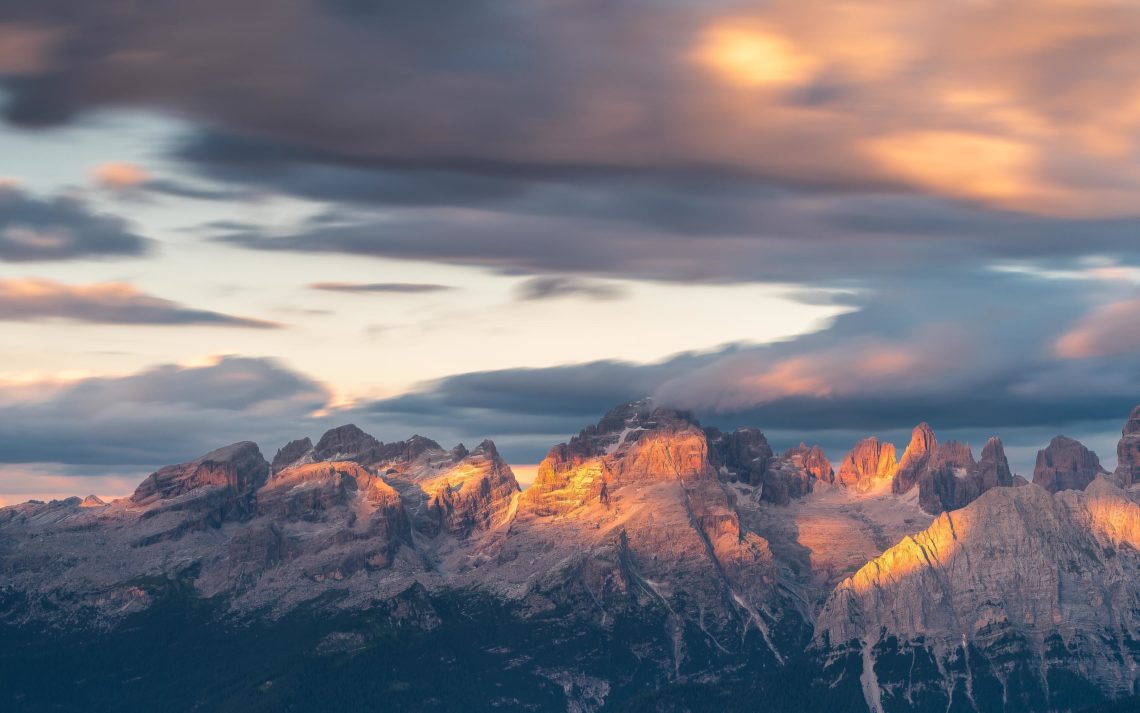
1003	582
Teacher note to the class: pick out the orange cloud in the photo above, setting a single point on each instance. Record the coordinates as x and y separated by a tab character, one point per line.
750	55
959	163
119	175
1108	330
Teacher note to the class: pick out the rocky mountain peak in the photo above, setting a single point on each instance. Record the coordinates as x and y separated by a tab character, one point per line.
1065	464
869	463
632	443
417	445
486	449
993	468
292	453
92	501
813	460
1133	424
922	441
950	479
457	492
916	458
644	535
347	442
239	469
742	455
1128	451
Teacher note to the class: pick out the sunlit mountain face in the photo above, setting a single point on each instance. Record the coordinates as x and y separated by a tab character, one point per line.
353	268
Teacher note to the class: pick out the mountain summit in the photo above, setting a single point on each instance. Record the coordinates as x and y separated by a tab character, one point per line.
650	553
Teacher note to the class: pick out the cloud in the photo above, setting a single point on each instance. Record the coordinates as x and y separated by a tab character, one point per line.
164	414
131	180
383	287
119	175
555	286
969	352
774	237
713	141
25	49
28	299
785	92
1109	330
62	228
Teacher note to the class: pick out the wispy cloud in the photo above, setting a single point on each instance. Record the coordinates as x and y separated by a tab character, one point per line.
28	299
379	287
62	228
556	286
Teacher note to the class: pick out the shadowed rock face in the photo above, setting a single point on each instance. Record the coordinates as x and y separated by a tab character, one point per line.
223	480
292	453
993	468
347	442
743	454
795	474
868	463
1065	465
949	480
1128	451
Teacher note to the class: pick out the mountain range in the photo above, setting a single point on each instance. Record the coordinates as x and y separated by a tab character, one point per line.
654	564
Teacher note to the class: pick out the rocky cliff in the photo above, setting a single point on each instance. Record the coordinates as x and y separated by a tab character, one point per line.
1128	451
650	551
1023	600
945	475
1065	464
869	465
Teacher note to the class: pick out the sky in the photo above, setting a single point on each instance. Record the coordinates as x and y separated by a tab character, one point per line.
254	221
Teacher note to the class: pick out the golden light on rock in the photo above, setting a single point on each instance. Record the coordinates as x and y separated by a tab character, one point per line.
932	548
752	56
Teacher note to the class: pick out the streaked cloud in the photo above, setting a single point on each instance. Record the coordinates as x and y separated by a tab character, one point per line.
62	228
167	413
555	286
787	92
379	287
28	299
1109	330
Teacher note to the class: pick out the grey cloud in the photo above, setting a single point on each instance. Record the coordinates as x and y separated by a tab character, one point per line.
184	189
555	286
164	414
785	244
63	228
591	141
381	287
28	299
558	88
969	353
